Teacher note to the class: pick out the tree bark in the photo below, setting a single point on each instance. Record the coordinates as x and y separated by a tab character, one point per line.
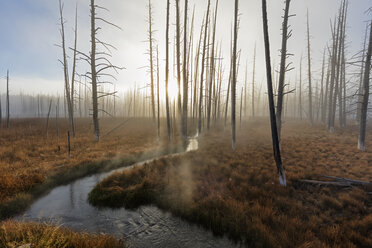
274	130
151	63
364	107
93	71
309	72
234	76
185	79
178	55
253	81
65	68
202	70
158	88
73	76
212	68
167	73
283	67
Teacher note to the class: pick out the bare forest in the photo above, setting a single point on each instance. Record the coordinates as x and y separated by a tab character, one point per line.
185	123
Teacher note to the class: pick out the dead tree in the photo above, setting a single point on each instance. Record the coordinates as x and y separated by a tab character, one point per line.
196	71
151	61
48	115
178	55
185	78
229	81
212	68
167	73
99	64
360	90
203	68
364	107
321	103
283	66
326	93
158	87
73	75
309	71
253	81
241	108
65	70
331	109
57	126
7	101
234	76
274	130
300	90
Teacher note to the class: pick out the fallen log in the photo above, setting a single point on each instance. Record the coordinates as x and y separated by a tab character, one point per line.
327	183
351	181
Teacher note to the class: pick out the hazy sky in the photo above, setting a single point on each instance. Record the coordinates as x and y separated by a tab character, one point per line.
30	30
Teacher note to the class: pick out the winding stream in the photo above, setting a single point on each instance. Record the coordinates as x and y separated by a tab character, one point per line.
147	226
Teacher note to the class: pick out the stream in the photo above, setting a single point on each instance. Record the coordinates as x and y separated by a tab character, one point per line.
148	226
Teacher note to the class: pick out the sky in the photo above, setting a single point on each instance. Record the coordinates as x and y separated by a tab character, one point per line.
30	33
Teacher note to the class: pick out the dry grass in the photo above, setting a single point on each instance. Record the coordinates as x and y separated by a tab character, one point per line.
237	192
16	234
30	162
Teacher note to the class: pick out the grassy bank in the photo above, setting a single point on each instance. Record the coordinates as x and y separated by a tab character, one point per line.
27	175
22	201
17	234
237	192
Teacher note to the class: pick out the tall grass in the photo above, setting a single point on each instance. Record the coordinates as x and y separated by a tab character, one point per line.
16	234
237	192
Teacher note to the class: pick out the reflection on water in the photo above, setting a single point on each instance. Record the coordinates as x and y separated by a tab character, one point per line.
146	227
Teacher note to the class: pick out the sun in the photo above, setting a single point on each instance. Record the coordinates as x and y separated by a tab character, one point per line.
172	90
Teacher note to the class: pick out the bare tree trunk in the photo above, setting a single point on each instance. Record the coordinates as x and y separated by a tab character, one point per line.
7	101
364	107
325	104
65	68
309	72
178	56
360	91
253	81
93	70
185	79
212	68
343	68
202	69
245	89
230	79
274	130
151	63
158	88
57	126
241	108
321	103
234	76
283	67
196	71
300	89
47	121
73	76
167	73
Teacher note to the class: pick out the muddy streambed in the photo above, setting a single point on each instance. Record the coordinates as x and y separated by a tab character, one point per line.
148	226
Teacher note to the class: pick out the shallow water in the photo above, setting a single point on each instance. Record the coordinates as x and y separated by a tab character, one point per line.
147	226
